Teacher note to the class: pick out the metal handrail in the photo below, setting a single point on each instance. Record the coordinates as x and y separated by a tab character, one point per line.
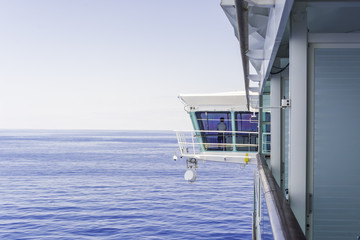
216	131
224	144
283	222
191	141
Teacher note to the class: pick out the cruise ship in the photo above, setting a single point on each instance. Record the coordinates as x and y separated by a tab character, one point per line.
297	120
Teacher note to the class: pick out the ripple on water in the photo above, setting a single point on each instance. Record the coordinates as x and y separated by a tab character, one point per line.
116	185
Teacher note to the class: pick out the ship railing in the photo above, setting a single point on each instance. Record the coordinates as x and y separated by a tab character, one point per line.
200	141
282	219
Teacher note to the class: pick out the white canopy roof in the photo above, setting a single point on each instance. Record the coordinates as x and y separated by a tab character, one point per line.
235	101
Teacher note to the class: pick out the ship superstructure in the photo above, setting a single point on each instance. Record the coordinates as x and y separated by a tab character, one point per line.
302	58
224	130
302	78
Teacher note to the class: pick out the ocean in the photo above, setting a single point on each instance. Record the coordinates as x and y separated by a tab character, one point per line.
116	185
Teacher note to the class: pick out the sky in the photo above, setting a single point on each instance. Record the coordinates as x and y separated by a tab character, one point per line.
111	64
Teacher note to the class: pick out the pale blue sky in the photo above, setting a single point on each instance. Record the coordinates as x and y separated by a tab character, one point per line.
111	64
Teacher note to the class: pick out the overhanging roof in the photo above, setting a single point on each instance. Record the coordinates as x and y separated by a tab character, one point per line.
259	26
215	101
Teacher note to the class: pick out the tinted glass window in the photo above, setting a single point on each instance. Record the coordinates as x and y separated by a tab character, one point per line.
210	120
246	121
215	121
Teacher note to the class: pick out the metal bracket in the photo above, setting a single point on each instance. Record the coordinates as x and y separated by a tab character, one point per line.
285	103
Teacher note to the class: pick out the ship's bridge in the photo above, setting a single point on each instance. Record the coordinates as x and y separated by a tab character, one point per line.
224	130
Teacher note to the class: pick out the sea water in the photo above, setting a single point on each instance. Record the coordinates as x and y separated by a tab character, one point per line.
116	185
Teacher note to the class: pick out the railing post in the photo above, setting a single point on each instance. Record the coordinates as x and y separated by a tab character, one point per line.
233	126
223	142
179	141
193	143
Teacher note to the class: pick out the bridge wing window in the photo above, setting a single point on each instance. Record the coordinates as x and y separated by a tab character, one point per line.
246	122
209	120
213	126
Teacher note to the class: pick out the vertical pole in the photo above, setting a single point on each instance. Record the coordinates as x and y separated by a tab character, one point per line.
298	112
275	98
285	131
233	126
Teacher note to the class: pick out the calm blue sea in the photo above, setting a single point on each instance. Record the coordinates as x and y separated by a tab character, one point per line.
116	185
